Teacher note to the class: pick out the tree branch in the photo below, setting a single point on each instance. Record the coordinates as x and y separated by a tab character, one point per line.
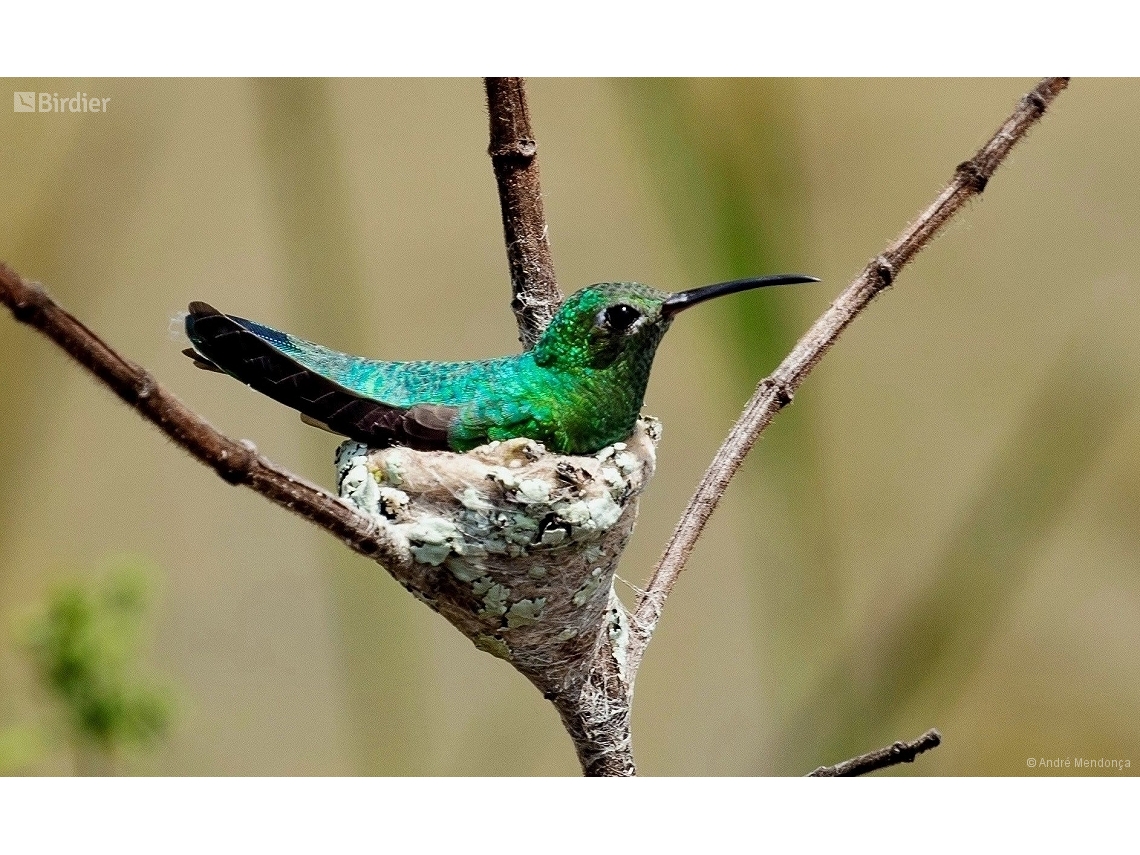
235	462
883	758
776	391
514	156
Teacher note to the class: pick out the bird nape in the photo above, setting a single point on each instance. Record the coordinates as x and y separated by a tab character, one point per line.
579	390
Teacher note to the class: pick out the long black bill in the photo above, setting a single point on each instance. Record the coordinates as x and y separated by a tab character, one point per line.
685	299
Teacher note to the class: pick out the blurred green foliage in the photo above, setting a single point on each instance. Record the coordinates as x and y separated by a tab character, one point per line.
85	647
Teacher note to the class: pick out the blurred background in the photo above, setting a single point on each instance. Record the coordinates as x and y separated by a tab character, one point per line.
943	530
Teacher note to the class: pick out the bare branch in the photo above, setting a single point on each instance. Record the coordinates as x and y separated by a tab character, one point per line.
235	462
776	391
514	156
883	758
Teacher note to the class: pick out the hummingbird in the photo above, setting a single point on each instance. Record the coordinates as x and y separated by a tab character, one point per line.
580	389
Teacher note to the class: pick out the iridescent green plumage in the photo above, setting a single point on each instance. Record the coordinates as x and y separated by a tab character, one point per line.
580	389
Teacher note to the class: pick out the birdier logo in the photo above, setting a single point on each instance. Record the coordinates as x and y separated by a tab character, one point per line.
53	102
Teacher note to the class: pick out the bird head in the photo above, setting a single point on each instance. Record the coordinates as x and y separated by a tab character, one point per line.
615	322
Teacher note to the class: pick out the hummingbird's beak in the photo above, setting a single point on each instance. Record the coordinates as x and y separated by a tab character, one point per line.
685	299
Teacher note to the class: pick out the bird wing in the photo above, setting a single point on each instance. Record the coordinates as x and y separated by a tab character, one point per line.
512	413
243	350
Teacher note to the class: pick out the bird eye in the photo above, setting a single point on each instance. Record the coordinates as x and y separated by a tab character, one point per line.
621	317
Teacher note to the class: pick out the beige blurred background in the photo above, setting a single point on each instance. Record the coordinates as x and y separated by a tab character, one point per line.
943	530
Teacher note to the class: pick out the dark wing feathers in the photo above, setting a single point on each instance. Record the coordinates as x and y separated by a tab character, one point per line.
200	361
425	421
222	344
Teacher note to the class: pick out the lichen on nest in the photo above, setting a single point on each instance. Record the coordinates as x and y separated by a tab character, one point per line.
517	545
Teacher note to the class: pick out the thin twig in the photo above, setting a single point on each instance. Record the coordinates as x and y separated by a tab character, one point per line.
776	391
514	156
235	462
884	758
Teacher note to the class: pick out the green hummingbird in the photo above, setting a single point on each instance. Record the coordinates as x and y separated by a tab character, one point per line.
579	390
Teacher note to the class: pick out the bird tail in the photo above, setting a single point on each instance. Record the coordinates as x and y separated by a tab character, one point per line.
267	360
